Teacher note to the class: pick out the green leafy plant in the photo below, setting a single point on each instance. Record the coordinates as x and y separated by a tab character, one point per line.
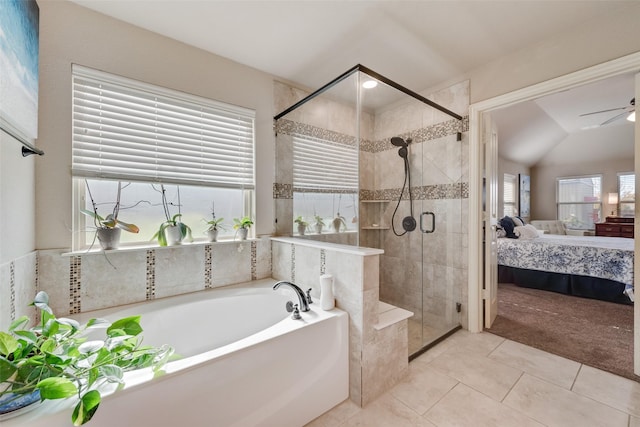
57	358
171	221
319	220
244	222
300	221
111	220
339	221
215	223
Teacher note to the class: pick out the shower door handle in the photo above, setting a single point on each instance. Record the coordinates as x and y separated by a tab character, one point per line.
433	222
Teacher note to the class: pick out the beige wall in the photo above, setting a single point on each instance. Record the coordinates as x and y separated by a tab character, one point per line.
543	183
72	34
592	43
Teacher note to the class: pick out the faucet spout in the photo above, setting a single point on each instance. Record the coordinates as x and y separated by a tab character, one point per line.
302	298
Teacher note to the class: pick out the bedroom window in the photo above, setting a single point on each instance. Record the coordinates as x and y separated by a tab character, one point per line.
144	136
627	194
579	201
510	184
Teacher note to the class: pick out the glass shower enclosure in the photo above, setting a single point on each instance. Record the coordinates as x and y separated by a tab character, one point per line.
380	166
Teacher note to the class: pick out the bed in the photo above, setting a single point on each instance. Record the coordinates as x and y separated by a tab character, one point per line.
586	266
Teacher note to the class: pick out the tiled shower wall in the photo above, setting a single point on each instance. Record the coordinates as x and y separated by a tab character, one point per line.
89	281
424	273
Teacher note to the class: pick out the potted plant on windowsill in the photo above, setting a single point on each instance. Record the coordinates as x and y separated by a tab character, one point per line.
214	226
339	222
108	228
242	225
55	359
318	224
302	225
172	231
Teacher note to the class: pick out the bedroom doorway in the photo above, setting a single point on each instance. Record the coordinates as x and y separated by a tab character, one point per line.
479	291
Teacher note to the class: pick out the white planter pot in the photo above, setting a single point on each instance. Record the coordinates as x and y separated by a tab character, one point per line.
173	236
301	229
318	228
213	235
242	233
109	238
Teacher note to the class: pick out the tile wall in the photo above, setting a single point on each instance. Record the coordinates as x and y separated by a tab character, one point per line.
20	274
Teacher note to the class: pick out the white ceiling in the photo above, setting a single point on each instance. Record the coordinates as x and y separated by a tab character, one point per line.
418	44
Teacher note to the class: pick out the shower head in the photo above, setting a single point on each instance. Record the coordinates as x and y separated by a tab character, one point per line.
398	142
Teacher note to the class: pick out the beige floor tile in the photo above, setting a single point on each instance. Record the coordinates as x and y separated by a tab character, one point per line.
480	344
618	392
423	387
485	375
547	366
464	407
554	406
336	416
387	411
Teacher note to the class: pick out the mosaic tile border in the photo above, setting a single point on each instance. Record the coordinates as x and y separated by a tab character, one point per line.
75	284
12	289
254	260
425	192
323	261
208	272
289	127
429	133
151	274
282	191
293	263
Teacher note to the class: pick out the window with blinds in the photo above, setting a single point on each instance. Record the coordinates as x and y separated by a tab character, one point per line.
126	129
509	195
143	135
579	201
324	166
627	194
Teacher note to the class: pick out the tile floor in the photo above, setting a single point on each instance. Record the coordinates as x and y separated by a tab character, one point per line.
485	380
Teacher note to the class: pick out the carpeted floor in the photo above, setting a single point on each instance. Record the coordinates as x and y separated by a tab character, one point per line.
596	333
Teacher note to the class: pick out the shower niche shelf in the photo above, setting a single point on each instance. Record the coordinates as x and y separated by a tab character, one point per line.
373	214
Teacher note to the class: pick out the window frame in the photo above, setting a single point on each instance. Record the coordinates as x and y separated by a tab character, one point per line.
559	203
514	203
246	163
620	200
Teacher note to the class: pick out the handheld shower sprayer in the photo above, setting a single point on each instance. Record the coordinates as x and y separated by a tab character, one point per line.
408	222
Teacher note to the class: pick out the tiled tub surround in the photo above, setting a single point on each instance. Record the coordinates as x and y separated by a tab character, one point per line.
378	352
95	280
18	287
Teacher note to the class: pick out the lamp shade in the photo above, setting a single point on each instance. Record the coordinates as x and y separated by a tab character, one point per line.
613	198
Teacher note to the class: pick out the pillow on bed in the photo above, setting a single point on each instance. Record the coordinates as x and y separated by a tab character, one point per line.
519	222
527	231
507	225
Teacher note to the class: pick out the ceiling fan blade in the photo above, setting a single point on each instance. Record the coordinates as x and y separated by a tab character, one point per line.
602	111
614	118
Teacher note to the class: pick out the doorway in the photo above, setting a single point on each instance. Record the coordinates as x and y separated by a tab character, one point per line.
478	293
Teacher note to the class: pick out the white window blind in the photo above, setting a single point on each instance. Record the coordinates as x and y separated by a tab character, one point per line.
128	130
627	187
509	195
324	165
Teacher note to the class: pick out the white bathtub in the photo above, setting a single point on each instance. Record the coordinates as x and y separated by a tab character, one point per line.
255	366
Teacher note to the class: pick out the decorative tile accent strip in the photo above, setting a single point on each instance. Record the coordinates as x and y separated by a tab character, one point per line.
425	192
289	127
323	261
293	263
254	260
151	274
436	131
75	285
282	191
12	289
208	276
324	190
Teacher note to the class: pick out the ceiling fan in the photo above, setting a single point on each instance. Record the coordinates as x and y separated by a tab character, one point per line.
629	113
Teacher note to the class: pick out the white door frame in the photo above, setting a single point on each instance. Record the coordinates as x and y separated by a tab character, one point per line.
626	64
